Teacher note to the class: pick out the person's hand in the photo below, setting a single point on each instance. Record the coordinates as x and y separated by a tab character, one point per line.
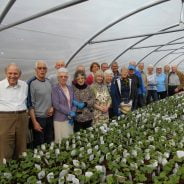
75	103
71	122
176	90
72	114
50	112
104	108
37	127
79	105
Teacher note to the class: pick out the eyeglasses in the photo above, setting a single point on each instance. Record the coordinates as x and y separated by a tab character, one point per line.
42	68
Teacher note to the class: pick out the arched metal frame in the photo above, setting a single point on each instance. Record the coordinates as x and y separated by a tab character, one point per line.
119	55
6	10
163	50
136	36
175	58
149	46
167	55
180	62
114	23
46	12
159	48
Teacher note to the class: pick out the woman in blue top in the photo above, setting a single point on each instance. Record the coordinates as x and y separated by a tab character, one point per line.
161	83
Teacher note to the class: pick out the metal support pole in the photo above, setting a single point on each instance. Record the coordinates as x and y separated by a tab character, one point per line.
140	41
180	62
178	52
136	36
167	55
159	48
6	10
181	21
46	12
150	46
156	2
176	58
165	50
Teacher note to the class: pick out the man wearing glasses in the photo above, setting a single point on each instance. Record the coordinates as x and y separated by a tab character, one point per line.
40	105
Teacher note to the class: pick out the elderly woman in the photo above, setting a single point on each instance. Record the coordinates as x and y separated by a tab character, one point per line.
125	91
62	99
85	102
161	83
152	85
102	99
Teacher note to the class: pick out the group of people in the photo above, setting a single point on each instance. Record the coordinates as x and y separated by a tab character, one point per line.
54	107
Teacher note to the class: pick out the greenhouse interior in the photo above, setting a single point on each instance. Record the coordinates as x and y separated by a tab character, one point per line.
92	91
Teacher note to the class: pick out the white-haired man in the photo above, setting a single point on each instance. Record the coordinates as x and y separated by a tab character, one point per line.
40	105
13	115
53	77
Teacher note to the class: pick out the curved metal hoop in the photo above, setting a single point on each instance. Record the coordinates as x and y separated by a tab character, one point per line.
156	2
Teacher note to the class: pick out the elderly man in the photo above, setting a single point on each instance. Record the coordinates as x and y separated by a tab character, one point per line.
136	85
141	88
13	115
53	77
175	82
115	69
104	67
40	105
80	68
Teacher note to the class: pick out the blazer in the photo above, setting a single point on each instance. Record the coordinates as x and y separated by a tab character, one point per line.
115	92
60	103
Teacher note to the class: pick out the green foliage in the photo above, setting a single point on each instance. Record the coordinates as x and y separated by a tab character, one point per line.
141	147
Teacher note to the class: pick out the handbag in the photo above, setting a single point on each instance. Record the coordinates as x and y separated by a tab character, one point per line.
125	107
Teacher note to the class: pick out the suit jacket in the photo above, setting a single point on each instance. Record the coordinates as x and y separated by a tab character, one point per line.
116	93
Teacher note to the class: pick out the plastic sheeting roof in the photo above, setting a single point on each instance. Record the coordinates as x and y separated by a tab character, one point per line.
59	35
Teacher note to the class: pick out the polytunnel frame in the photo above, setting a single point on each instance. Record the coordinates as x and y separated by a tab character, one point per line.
167	55
6	10
114	23
43	13
180	62
160	47
175	58
143	39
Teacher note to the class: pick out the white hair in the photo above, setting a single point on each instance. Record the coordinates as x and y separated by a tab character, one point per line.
159	66
150	66
62	70
40	62
108	72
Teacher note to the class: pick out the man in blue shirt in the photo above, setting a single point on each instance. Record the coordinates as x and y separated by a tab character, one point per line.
141	88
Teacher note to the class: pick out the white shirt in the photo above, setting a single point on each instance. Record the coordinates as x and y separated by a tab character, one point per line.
13	98
152	83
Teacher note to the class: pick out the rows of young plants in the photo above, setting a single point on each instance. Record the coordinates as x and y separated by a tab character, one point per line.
145	146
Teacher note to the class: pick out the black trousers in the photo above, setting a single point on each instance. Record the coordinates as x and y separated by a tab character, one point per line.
151	96
82	125
162	95
171	90
47	134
